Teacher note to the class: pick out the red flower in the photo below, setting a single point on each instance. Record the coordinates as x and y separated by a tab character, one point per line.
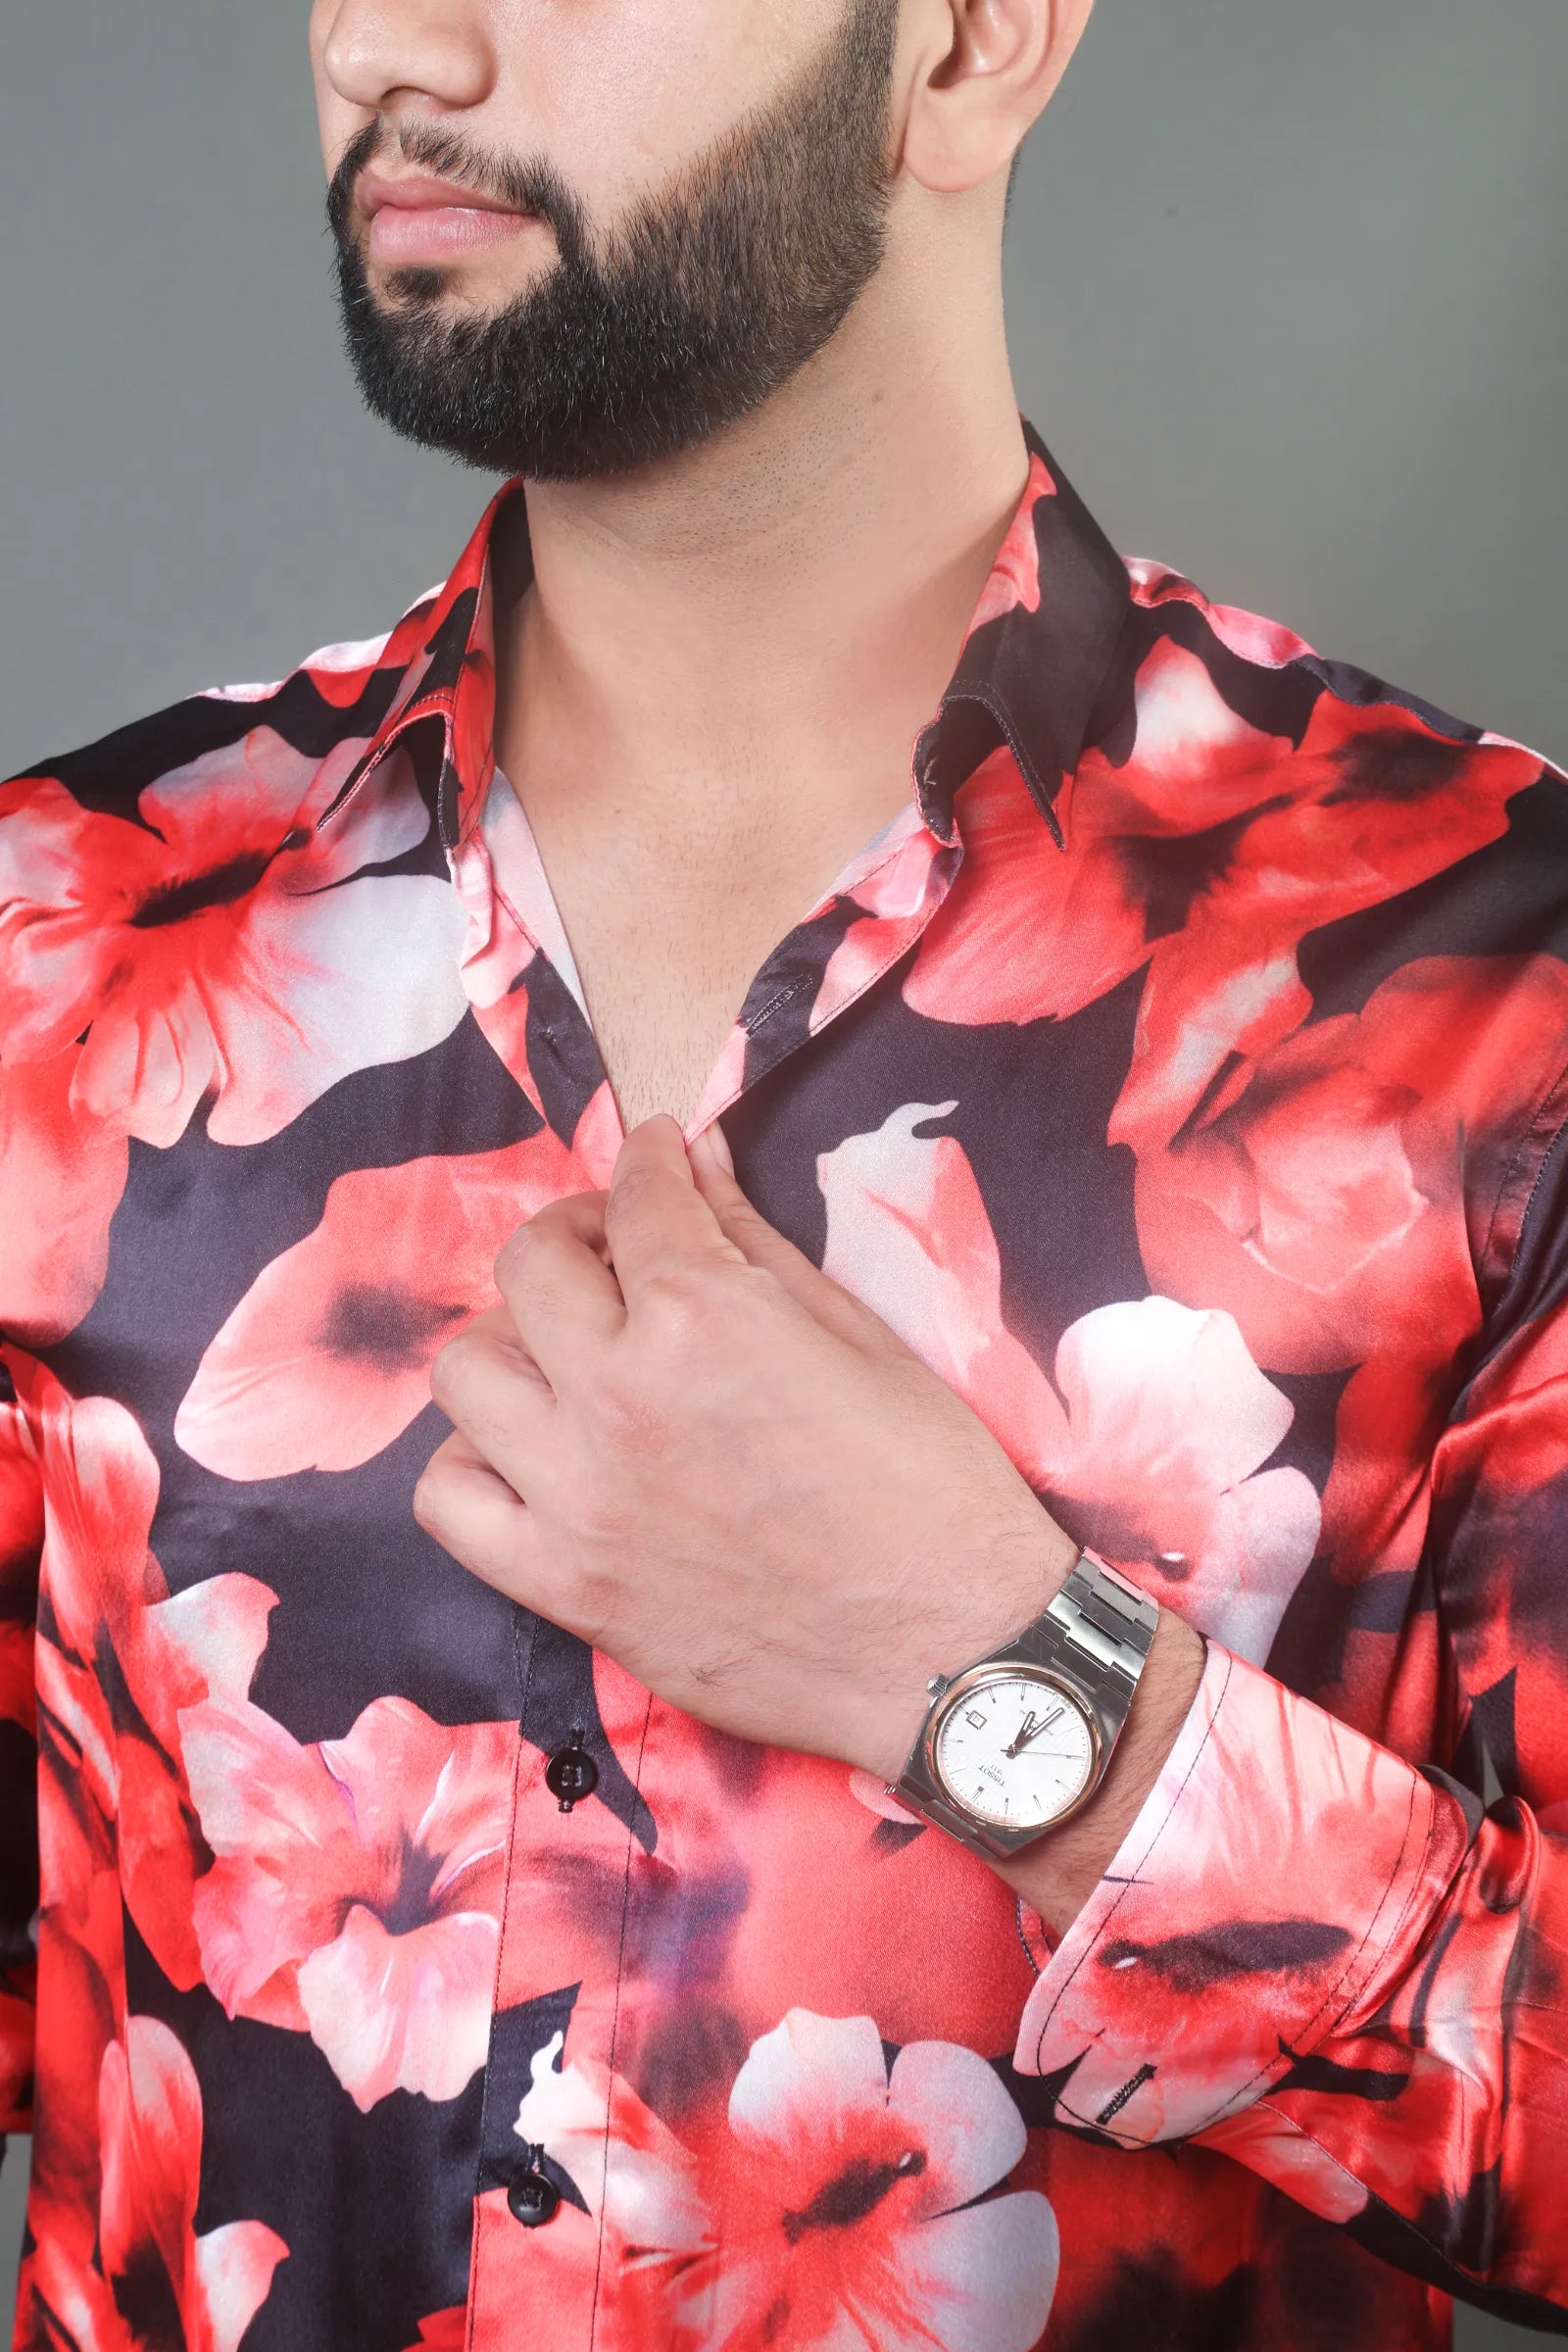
1014	575
1280	839
327	1356
112	1792
62	1173
152	2273
81	1973
836	2202
1150	1445
1372	804
221	946
444	2330
1100	905
1321	1196
907	1233
357	1890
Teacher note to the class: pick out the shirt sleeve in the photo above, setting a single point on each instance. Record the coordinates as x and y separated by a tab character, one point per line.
1343	1968
20	1544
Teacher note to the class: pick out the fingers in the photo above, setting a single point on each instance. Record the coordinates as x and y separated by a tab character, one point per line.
762	1244
655	1220
559	1289
472	1512
498	1398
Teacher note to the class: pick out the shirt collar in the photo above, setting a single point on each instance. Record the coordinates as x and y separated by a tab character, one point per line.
1036	651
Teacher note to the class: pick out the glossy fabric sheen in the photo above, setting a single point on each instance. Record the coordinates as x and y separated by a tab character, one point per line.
1182	1074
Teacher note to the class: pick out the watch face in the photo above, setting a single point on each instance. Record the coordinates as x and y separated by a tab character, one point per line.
1013	1748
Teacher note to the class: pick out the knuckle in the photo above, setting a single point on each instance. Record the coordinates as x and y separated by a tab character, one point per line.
429	1499
519	1252
630	1419
604	1522
684	1308
590	1600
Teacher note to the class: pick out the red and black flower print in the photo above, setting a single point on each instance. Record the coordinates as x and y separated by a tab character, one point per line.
1184	1075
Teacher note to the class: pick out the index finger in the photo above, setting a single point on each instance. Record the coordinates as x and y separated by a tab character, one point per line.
655	1220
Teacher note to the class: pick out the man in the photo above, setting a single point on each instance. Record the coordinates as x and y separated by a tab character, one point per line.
911	1771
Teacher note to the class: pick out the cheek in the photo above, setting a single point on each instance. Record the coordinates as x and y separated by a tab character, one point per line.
622	93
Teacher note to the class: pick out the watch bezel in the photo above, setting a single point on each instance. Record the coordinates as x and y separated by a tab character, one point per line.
1001	1668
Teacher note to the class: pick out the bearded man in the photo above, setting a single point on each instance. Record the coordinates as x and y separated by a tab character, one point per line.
970	1142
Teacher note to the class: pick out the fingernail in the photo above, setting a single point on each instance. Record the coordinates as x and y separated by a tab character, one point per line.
713	1137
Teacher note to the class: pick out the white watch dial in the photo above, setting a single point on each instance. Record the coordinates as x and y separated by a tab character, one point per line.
1014	1749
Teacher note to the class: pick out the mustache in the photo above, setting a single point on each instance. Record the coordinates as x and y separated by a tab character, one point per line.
524	184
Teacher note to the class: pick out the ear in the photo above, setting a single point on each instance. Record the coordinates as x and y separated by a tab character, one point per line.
984	70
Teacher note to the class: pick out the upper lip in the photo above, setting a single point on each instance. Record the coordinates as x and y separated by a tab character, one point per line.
419	191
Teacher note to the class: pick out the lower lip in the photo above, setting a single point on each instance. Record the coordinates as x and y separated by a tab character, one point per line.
405	233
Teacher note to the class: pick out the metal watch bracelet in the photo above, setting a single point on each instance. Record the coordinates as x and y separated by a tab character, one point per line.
1094	1634
1102	1616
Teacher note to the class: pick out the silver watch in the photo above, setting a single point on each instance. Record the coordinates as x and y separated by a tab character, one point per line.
1018	1740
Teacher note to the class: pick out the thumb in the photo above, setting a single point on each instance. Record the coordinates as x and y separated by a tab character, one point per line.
762	1244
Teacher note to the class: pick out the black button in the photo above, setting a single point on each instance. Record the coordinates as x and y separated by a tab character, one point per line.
570	1774
534	2198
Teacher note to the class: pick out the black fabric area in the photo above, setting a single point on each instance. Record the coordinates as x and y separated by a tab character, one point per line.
18	1848
199	1221
109	776
517	2037
1027	1096
1466	2228
564	1058
1505	900
557	1681
1153	2306
374	2209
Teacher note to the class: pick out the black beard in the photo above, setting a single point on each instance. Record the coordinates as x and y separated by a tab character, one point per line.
711	296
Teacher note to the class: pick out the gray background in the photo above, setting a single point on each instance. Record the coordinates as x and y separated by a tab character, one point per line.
1287	293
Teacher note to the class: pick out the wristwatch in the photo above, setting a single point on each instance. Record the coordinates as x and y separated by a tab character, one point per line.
1021	1740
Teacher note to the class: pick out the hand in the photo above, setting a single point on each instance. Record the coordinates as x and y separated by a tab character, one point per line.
681	1441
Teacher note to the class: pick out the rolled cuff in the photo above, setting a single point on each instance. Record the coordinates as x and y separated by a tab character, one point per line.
1276	1862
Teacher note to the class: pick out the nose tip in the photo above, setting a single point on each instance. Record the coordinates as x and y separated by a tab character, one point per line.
380	53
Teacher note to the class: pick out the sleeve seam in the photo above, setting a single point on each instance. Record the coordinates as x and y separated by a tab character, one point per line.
1518	1158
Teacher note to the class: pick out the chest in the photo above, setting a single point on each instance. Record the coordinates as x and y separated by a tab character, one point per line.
276	1291
661	922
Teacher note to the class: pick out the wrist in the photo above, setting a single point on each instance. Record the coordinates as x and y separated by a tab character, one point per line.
1056	1875
1007	1604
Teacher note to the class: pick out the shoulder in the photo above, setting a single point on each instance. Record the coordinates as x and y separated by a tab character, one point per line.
1306	793
337	696
1331	730
179	811
1353	910
176	926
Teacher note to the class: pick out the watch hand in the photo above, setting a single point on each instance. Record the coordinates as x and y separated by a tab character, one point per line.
1030	1728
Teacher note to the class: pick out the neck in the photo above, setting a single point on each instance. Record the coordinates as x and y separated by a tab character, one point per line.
787	600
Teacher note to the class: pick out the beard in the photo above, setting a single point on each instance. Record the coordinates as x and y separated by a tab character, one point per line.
710	296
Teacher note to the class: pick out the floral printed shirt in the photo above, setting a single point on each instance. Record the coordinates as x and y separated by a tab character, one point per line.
1184	1073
